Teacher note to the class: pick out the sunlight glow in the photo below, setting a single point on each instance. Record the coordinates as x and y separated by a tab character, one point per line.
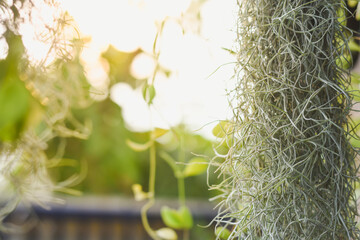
142	66
35	30
120	23
36	49
190	48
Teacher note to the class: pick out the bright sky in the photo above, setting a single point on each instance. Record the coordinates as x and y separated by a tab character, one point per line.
192	94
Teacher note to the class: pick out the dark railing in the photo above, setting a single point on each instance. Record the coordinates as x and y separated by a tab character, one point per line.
97	218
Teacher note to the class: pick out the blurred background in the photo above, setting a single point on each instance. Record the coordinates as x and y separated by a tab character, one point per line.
181	50
119	57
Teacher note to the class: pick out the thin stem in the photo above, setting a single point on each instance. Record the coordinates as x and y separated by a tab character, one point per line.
181	182
152	169
151	201
145	221
181	186
181	189
180	176
181	146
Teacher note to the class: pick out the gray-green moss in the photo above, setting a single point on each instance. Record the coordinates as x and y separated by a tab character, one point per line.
290	171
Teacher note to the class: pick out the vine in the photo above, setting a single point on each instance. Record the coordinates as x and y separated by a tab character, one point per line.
174	219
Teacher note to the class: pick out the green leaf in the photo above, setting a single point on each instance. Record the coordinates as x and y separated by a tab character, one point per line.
149	93
195	167
357	16
354	87
166	234
229	51
341	16
355	78
119	65
158	132
144	89
222	129
171	218
352	3
354	46
186	217
355	142
177	219
357	190
344	61
138	147
222	233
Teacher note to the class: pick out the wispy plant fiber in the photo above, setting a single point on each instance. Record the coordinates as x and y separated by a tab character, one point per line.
290	172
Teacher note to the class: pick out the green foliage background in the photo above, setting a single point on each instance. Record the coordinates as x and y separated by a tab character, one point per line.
112	167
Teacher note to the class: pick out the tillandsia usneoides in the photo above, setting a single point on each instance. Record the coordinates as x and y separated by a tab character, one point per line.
290	172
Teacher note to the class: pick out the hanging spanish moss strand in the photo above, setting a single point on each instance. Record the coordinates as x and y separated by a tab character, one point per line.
290	172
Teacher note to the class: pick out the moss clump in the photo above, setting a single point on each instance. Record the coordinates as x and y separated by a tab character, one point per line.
290	171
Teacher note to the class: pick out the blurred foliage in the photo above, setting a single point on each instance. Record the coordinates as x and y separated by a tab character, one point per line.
14	98
46	111
35	105
46	141
111	162
112	166
119	65
355	4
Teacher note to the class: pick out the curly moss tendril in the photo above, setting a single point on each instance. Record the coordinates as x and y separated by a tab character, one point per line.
290	172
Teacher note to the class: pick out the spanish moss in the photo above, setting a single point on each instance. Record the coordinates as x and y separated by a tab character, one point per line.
290	171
